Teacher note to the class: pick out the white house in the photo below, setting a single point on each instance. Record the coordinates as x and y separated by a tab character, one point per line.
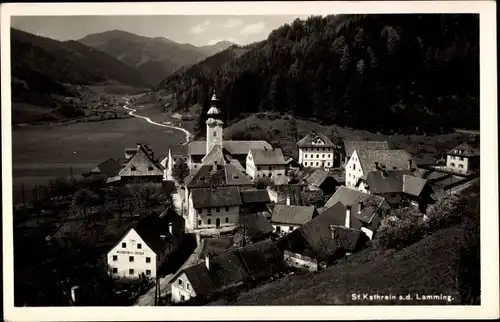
316	150
267	163
286	218
362	162
463	159
212	208
144	247
350	146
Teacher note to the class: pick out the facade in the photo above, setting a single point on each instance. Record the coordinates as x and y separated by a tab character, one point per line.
287	218
265	164
463	159
362	162
254	200
212	208
145	247
316	150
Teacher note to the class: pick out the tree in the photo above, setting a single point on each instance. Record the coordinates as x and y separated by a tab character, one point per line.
180	171
85	199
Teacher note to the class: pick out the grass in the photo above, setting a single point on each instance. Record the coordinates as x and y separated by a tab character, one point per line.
41	153
117	89
426	267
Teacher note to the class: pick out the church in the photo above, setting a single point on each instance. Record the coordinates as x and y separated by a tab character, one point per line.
215	150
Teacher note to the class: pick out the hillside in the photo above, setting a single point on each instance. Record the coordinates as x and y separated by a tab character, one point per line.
217	47
387	73
154	57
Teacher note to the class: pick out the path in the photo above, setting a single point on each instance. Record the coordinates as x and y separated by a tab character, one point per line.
132	111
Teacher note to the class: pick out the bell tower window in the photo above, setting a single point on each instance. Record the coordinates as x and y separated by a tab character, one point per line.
215	133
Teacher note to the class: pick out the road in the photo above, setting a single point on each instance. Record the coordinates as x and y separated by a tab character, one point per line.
132	113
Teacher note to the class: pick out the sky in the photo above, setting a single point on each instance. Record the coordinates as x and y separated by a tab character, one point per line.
196	30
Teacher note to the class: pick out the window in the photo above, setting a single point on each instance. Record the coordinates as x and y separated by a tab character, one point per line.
227	209
215	133
328	164
179	281
227	220
131	271
452	164
258	168
150	168
148	259
218	209
317	163
131	259
461	158
280	174
305	164
291	228
354	166
188	286
115	270
139	246
148	272
317	156
209	221
124	245
323	156
115	258
461	166
199	222
133	168
183	298
270	168
305	155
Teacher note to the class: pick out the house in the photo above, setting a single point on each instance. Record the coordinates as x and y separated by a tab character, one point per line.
268	163
295	194
214	175
255	200
292	164
238	150
351	146
364	161
316	150
398	187
322	240
210	208
176	153
106	169
140	165
286	218
463	159
256	225
146	246
368	209
320	179
254	262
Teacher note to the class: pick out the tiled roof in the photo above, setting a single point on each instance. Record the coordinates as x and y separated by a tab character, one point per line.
350	146
465	150
391	159
237	165
293	215
142	161
254	196
262	259
200	280
268	157
151	228
308	140
221	175
316	177
215	246
226	270
256	225
179	150
214	156
109	168
232	147
216	197
413	185
236	177
380	182
336	216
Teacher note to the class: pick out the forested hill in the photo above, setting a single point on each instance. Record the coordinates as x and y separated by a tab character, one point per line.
401	73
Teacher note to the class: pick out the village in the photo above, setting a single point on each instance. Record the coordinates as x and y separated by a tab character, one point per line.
214	215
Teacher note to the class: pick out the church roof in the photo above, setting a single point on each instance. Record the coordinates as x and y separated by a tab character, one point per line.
215	155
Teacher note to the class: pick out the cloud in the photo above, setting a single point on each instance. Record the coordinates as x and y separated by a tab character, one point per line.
213	42
254	29
231	23
200	28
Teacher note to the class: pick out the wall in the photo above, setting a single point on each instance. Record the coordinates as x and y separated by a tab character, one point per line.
300	261
185	289
139	265
353	171
232	214
316	157
284	228
457	163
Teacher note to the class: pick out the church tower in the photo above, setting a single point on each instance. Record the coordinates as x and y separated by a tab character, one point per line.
214	125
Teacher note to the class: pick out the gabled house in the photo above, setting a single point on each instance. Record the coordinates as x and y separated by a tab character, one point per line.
265	164
256	226
364	161
253	201
463	159
322	240
367	208
140	165
106	169
254	262
286	218
176	153
210	208
146	246
208	176
320	179
398	187
351	146
295	194
316	150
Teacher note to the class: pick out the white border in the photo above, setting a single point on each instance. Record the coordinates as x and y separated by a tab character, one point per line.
489	185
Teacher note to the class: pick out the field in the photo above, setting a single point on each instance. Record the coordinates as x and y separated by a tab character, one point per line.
41	153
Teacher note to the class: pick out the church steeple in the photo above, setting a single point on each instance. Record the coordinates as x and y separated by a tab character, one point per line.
214	125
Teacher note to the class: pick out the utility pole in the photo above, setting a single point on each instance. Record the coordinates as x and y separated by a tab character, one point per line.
71	172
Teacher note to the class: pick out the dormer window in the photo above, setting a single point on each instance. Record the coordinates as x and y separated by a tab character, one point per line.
133	168
150	168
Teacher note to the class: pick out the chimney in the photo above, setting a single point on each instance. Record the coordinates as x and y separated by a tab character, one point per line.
207	262
138	145
288	200
74	290
410	164
163	237
360	206
170	228
348	217
376	165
